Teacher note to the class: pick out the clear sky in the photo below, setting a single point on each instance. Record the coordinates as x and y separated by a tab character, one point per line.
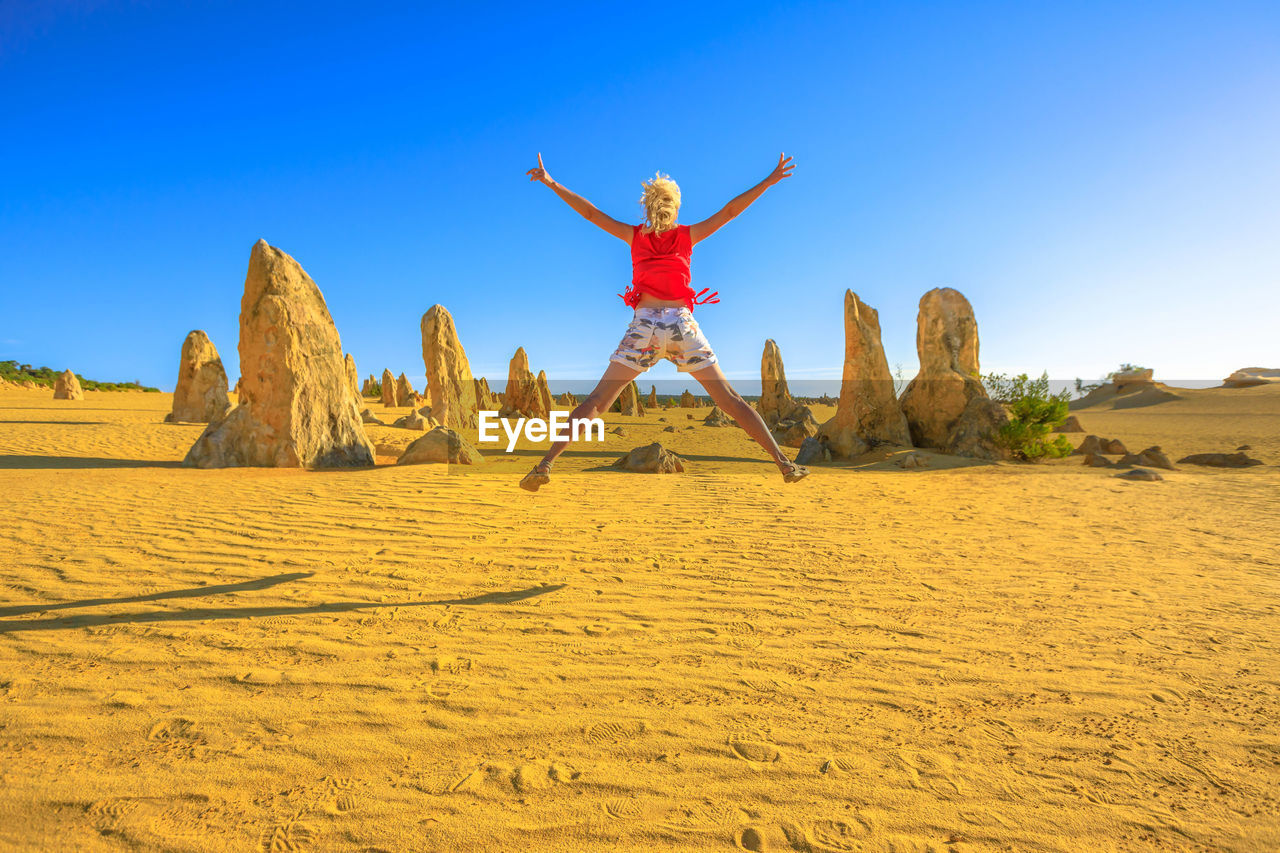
1100	179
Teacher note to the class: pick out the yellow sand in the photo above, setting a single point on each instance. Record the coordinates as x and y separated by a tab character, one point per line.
974	657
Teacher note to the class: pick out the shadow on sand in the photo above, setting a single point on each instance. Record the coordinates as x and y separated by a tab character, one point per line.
93	620
27	463
58	423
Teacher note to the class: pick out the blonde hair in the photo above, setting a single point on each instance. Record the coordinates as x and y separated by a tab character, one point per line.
661	202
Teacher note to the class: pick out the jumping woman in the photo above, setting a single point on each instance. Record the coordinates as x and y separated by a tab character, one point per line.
663	326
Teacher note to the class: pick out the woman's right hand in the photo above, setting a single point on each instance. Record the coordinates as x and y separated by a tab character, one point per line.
540	172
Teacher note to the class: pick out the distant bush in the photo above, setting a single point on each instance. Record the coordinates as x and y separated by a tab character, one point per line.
1083	388
375	389
11	371
1033	413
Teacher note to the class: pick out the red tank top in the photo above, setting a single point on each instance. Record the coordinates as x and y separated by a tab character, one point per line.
660	265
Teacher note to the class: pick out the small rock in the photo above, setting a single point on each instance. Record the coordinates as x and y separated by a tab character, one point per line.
618	431
1154	457
1143	474
1244	447
441	445
1220	460
368	417
413	420
913	460
1071	424
813	451
1091	444
716	418
670	429
651	459
1097	460
1114	447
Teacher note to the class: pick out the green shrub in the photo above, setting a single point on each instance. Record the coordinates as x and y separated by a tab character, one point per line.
375	389
1033	413
14	372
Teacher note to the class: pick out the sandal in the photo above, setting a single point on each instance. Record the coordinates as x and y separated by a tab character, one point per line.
794	473
539	476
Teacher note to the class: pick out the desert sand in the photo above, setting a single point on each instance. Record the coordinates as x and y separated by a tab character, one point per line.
969	656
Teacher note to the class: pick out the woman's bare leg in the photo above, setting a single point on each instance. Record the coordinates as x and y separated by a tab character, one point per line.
731	403
616	376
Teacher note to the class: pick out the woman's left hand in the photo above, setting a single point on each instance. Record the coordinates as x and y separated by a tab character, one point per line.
782	170
540	173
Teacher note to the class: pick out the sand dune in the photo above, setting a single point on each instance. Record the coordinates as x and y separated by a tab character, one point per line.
965	657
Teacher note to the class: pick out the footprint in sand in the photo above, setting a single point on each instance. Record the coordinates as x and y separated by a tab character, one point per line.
753	747
613	732
542	775
450	664
178	737
259	676
288	837
829	836
749	839
443	688
853	765
627	809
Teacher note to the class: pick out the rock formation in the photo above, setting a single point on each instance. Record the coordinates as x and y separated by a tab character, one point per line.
1220	460
567	401
450	385
415	420
1248	377
1140	474
405	395
795	427
522	397
367	416
628	402
653	397
1127	389
440	445
1071	424
486	400
296	408
775	397
1152	457
945	405
913	460
1095	444
867	411
651	459
353	376
717	418
67	387
201	393
389	398
813	450
544	392
688	401
366	390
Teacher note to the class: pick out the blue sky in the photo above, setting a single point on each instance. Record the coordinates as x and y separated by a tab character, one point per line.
1099	179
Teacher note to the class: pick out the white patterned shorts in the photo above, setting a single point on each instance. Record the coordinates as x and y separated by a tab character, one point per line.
669	333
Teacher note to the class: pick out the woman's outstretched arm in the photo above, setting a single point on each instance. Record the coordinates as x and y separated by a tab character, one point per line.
712	224
590	212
